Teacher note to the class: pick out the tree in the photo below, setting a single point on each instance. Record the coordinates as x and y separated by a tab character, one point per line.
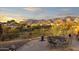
1	32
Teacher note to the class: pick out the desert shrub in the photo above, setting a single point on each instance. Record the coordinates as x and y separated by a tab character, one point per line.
9	33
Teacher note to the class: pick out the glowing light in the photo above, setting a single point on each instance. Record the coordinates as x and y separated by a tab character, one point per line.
5	19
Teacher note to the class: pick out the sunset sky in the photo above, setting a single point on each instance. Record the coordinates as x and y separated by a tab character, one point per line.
37	13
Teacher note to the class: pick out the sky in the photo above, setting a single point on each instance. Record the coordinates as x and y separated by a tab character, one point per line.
38	12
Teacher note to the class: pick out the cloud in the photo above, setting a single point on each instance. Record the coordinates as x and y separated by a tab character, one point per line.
32	9
63	12
65	9
4	9
13	15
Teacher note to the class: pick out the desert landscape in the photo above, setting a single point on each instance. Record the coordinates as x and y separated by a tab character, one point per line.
39	29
